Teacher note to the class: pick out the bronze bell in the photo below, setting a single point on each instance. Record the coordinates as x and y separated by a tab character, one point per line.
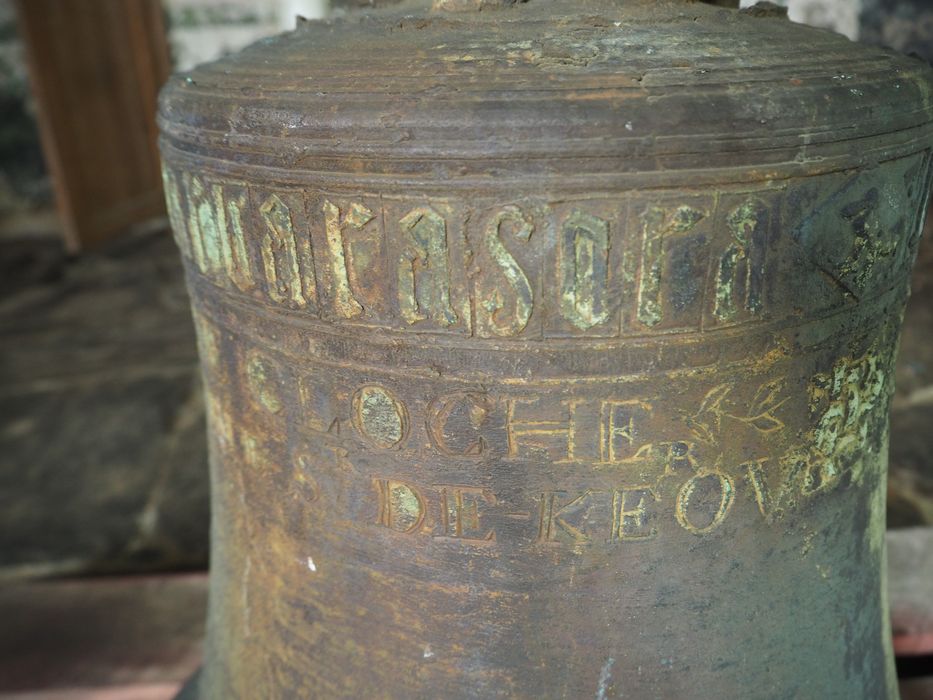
548	349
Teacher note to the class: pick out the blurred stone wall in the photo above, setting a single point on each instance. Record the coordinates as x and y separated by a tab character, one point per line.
203	30
842	16
103	454
24	183
198	31
905	25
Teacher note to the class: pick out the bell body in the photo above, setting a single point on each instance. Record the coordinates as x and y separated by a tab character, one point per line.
549	357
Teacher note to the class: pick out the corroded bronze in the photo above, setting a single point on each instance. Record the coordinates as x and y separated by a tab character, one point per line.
548	350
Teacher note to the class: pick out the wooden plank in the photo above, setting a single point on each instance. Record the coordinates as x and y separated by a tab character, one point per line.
96	67
105	638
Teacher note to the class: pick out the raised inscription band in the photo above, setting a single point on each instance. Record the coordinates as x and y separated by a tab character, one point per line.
629	265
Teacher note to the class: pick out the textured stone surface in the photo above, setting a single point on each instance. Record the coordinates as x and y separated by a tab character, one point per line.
102	451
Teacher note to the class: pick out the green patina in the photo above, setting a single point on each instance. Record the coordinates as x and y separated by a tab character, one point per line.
407	508
423	269
500	321
584	267
264	383
381	417
658	223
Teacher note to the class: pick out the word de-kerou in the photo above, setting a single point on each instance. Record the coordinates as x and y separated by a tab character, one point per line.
548	349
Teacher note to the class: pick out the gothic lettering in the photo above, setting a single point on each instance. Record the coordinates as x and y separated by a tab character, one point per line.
505	310
584	269
423	274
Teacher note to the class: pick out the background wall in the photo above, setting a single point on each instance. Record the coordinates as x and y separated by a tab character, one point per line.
199	31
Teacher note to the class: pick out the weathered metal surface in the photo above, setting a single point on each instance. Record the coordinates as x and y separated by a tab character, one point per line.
548	350
908	27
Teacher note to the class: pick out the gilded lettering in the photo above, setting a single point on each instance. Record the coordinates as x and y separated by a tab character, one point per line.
233	241
195	191
173	201
357	217
401	506
380	416
282	256
760	413
264	382
212	224
740	274
657	225
213	235
454	421
423	269
460	513
771	504
630	514
584	270
504	312
715	490
542	433
559	522
617	428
